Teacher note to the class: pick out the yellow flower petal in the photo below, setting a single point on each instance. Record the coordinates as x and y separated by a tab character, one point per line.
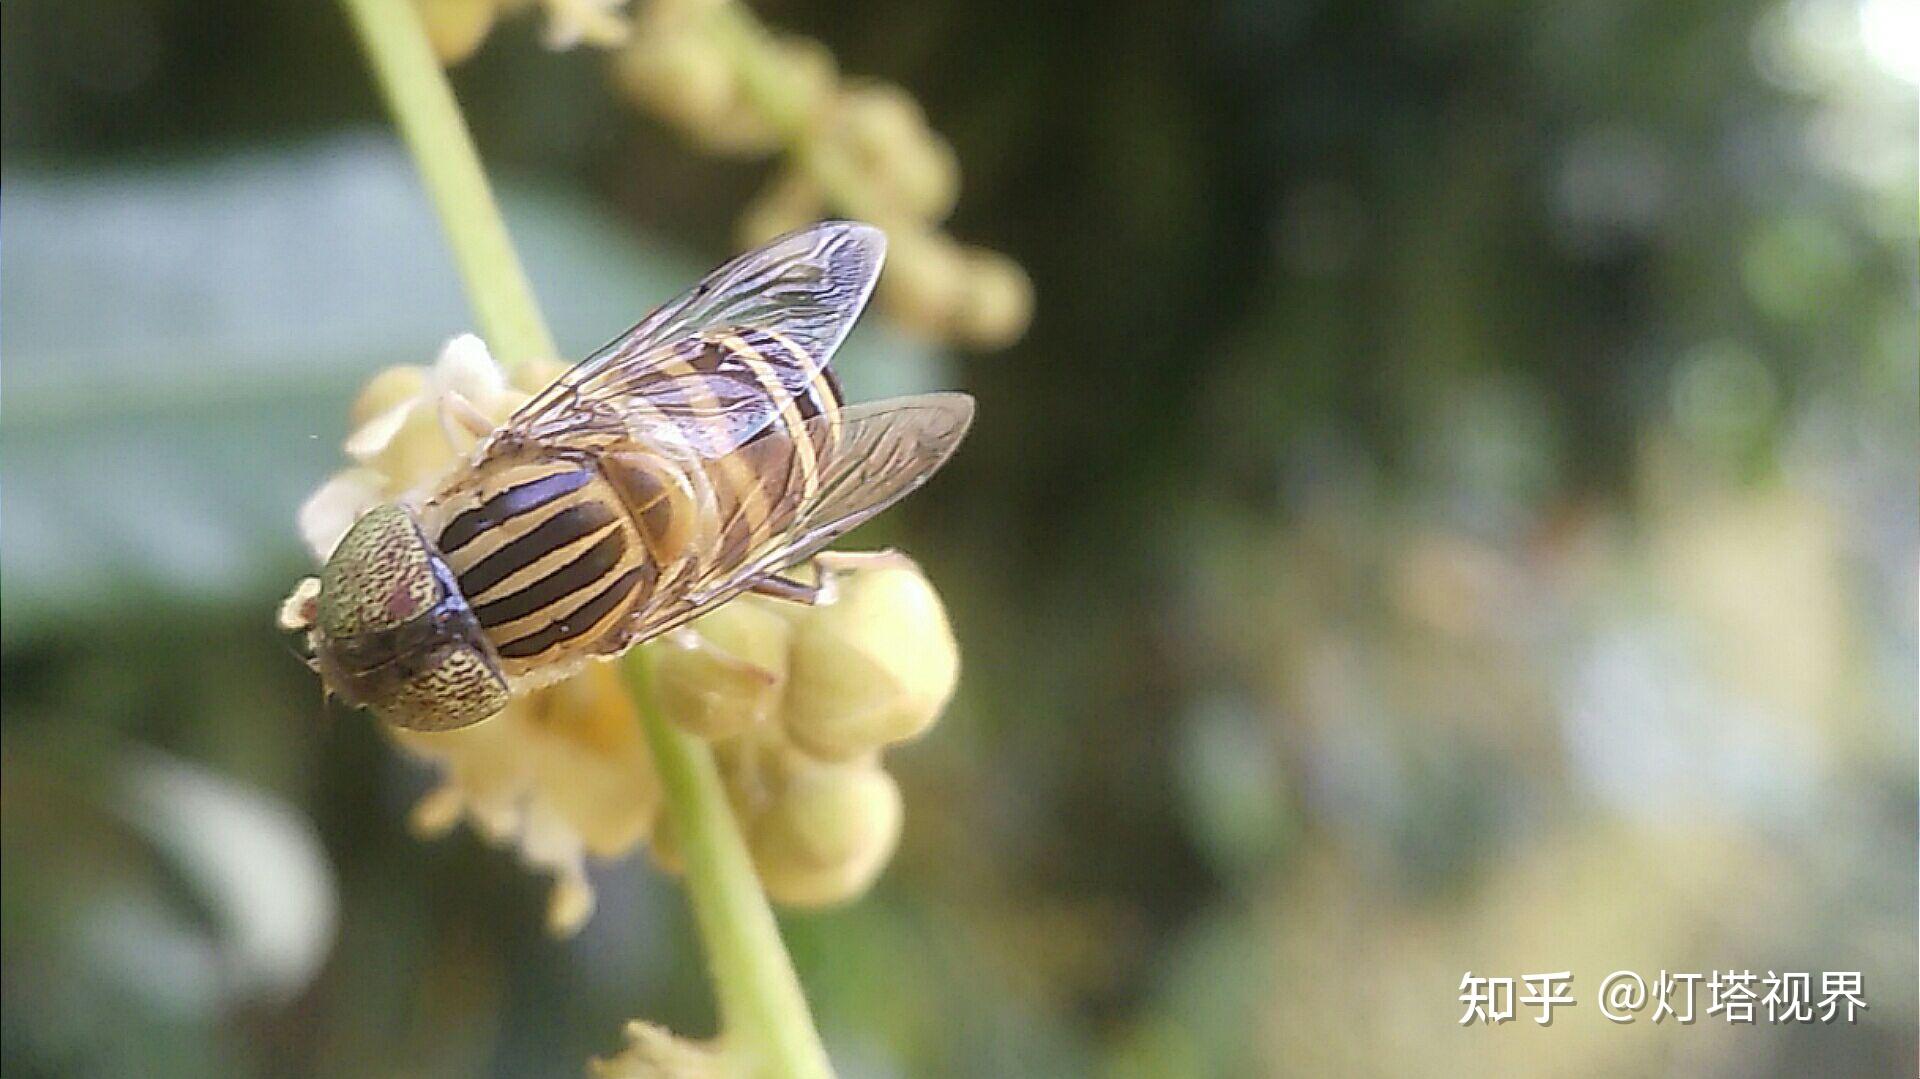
394	386
372	438
996	300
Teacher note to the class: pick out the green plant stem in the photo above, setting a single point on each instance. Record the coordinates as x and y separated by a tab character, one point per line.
429	119
767	1026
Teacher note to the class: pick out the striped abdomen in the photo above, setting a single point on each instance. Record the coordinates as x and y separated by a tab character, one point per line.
546	555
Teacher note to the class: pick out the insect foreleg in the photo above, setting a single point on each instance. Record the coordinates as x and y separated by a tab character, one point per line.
774	586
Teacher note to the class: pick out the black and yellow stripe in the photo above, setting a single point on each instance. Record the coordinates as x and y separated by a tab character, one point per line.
546	559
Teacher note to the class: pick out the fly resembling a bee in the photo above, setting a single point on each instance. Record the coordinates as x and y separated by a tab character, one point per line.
693	459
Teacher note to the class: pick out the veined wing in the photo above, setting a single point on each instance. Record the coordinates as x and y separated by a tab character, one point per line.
884	451
713	368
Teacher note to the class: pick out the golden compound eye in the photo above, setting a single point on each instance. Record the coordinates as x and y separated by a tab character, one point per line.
379	578
459	687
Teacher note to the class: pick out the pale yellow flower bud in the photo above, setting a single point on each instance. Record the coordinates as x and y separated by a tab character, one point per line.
676	74
827	834
653	1052
996	300
872	668
811	75
736	129
456	27
923	280
925	178
726	673
879	117
788	202
881	136
755	768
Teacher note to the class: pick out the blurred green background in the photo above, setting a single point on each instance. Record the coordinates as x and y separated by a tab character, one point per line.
1455	510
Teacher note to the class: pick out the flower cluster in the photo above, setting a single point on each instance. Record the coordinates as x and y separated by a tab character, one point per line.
411	426
857	147
797	700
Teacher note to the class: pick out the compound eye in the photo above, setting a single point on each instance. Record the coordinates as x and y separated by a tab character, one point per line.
379	578
458	687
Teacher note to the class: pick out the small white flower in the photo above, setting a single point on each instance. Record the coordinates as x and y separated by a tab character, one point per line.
413	425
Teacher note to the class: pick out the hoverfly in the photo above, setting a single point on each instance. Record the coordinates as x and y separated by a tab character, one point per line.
692	459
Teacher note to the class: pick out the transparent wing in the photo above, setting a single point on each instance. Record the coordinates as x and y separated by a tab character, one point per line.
670	376
885	450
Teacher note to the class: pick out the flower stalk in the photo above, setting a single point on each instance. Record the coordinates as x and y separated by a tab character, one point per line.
766	1026
423	107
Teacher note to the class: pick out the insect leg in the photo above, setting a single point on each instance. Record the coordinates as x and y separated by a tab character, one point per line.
775	586
827	568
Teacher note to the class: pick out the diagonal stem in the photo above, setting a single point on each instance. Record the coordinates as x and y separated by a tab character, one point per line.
768	1028
423	107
